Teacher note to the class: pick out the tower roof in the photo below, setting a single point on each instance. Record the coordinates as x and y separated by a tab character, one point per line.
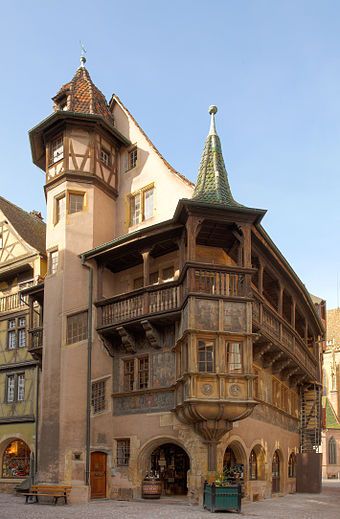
212	182
81	95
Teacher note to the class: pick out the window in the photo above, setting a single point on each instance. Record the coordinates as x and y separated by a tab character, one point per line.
76	202
132	158
16	333
105	157
60	208
143	372
234	357
53	262
98	396
138	283
332	451
168	273
15	388
148	204
142	205
291	465
135	209
16	460
205	354
253	465
129	374
21	387
153	278
123	453
57	149
76	327
136	373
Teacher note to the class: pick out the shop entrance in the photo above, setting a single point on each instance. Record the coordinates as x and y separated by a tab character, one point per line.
171	463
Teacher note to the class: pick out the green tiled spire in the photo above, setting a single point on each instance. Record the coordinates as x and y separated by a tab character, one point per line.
212	183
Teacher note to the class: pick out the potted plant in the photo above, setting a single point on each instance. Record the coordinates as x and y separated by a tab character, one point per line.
222	495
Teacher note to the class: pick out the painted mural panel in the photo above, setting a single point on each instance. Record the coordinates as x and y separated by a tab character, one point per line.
206	314
234	317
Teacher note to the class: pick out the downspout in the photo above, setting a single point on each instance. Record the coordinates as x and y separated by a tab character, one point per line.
89	371
36	441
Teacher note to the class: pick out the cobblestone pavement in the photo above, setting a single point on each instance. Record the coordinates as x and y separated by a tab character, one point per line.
298	506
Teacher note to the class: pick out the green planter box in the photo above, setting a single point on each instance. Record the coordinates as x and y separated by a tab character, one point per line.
222	499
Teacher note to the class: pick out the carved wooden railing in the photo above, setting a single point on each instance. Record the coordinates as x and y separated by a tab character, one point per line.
12	302
35	341
167	297
283	333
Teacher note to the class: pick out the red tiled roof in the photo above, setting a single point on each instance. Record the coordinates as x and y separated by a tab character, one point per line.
83	96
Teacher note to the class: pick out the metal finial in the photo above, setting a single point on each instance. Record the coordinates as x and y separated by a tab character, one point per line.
212	111
82	55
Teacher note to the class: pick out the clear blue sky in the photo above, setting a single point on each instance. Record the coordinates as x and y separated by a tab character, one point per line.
272	67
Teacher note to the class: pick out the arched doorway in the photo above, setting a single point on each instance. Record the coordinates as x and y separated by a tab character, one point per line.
276	472
171	463
98	475
16	460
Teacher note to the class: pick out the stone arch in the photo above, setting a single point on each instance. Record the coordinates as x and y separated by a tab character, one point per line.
148	448
238	448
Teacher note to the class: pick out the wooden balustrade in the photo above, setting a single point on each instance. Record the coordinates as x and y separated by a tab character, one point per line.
12	302
35	338
221	283
168	297
290	339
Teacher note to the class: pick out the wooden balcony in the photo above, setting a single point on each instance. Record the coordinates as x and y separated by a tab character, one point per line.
13	302
35	342
269	322
196	279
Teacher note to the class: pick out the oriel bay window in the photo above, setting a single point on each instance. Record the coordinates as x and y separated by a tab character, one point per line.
57	149
136	373
205	355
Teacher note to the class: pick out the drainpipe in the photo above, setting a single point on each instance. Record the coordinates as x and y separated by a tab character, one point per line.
36	442
89	370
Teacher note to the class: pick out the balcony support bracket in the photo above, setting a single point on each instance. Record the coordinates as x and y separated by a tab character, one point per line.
151	333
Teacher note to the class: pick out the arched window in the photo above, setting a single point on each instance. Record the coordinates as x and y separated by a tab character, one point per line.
16	460
291	466
253	465
332	451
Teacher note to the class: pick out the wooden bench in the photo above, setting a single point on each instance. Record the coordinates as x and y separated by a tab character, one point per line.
55	491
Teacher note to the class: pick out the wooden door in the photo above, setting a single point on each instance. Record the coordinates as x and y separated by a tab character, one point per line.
98	475
276	473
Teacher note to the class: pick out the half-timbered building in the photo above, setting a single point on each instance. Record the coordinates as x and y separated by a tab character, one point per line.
176	337
22	264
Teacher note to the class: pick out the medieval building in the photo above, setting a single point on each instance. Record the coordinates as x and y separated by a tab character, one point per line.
331	398
173	336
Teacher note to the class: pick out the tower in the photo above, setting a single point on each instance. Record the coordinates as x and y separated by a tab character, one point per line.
77	147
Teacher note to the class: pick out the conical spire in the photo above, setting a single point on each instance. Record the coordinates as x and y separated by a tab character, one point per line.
212	182
81	95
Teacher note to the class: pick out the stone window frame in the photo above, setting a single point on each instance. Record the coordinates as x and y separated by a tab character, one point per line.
292	465
253	466
53	261
132	158
332	451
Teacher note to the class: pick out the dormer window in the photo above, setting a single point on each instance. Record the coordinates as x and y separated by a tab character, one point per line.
105	157
57	149
63	103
